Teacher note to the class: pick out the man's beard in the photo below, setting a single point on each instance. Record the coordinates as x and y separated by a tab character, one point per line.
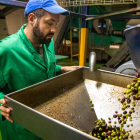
39	36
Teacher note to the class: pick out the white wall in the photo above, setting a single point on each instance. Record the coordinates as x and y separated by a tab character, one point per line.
15	20
3	29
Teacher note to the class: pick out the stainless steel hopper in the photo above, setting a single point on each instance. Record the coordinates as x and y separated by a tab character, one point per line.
59	108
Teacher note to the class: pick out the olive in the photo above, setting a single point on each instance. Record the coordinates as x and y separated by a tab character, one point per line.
110	126
119	118
131	136
139	88
116	112
119	121
134	90
124	117
137	75
114	126
123	108
136	85
90	101
125	112
128	101
109	118
132	84
123	100
128	91
128	86
109	132
126	137
132	108
124	122
133	104
119	115
118	128
120	137
130	112
115	116
100	129
115	122
134	98
128	125
128	97
109	121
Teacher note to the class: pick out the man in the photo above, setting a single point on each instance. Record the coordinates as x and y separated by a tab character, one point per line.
26	58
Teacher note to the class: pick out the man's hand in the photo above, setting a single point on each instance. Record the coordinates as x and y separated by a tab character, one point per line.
69	68
5	111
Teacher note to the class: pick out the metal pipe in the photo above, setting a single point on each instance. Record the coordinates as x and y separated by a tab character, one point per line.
92	61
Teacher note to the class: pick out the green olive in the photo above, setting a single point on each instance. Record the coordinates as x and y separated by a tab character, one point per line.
132	84
136	85
128	86
128	91
92	107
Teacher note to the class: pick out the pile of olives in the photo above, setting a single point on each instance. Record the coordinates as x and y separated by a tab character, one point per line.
106	131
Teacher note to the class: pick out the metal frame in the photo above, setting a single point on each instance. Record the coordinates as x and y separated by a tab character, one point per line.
71	3
115	13
85	16
13	3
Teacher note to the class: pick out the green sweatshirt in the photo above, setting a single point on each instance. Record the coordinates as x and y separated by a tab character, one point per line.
20	67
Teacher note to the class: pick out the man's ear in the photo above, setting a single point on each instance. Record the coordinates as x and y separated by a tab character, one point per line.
32	19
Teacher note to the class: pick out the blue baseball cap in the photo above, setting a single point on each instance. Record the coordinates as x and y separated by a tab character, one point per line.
48	5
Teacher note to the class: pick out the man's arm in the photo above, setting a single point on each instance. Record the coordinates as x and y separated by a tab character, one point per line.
63	69
69	68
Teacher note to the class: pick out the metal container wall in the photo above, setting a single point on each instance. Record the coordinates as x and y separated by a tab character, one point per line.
59	108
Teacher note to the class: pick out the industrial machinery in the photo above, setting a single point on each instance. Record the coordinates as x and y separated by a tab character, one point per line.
127	68
132	37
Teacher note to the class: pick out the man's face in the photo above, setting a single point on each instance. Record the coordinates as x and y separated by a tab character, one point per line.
45	28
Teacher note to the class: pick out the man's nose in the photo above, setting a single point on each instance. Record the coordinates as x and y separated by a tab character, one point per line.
53	30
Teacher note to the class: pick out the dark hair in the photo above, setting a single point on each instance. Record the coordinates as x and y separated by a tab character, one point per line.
38	13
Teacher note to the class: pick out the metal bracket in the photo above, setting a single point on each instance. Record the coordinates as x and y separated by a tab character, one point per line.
13	3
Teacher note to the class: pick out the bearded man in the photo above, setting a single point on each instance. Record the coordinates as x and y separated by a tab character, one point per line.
27	58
